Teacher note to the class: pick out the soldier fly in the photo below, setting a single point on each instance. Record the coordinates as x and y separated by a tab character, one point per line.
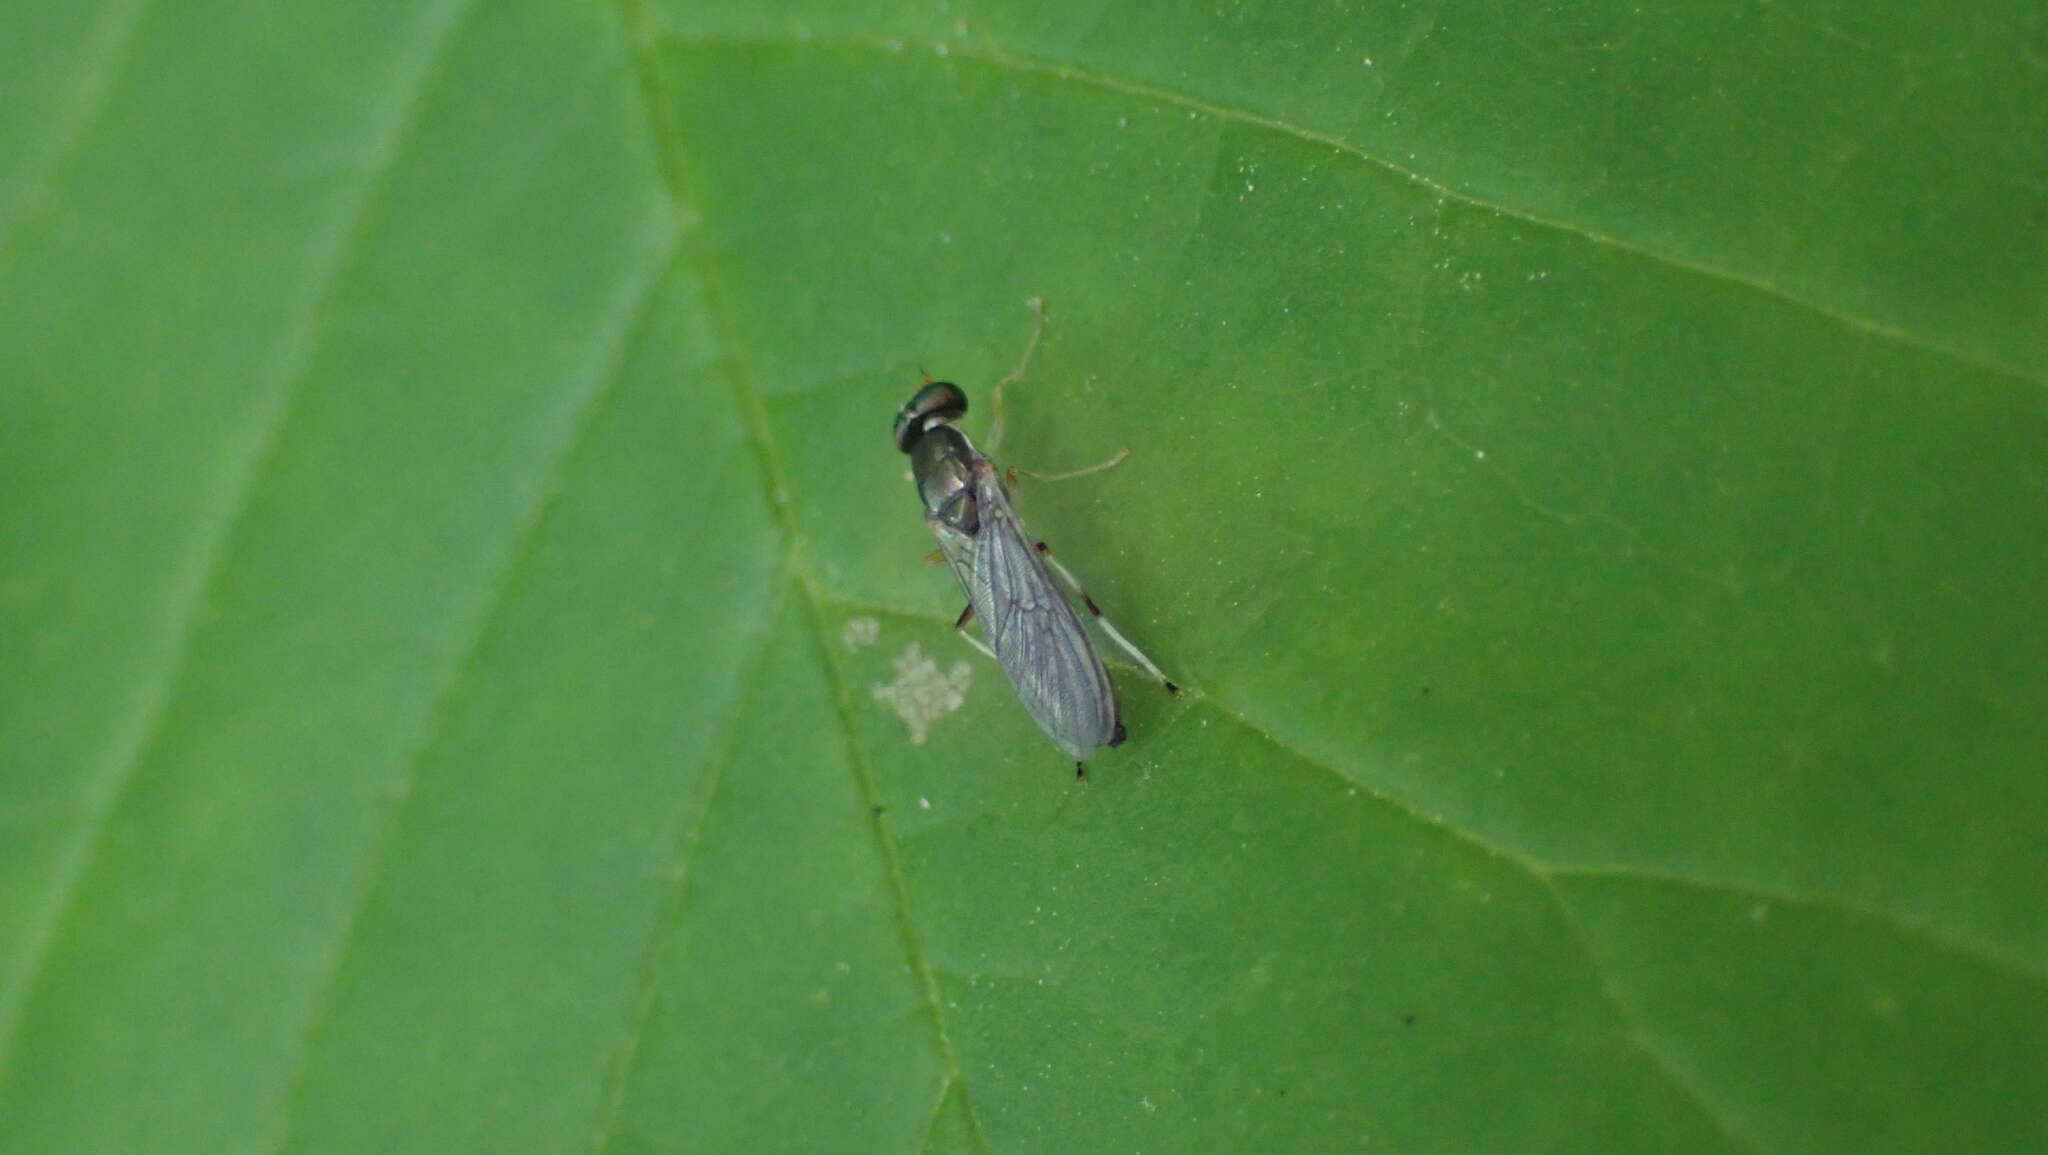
1032	630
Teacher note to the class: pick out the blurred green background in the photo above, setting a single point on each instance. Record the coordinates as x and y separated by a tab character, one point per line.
461	613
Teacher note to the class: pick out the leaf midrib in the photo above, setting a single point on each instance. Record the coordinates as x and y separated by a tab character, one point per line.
657	98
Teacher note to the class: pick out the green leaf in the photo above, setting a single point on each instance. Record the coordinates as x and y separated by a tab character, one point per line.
468	683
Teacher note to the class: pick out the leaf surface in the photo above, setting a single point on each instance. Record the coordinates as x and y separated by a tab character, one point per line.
470	685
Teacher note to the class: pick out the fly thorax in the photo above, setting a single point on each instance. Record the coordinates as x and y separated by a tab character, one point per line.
942	461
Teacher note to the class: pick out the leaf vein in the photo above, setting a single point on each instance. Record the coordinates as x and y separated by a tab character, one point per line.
1867	326
1940	940
1989	954
919	960
1538	873
94	95
488	619
1632	1031
1547	871
656	93
211	556
670	918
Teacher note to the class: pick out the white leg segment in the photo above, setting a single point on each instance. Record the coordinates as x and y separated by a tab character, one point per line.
977	643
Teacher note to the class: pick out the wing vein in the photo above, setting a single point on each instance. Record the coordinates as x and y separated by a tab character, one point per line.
1035	634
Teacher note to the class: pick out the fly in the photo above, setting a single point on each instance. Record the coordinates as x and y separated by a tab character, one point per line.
1031	627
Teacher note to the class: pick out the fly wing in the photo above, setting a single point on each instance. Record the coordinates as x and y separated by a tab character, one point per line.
958	549
1034	631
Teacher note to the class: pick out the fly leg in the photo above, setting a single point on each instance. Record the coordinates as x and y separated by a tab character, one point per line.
1117	739
995	397
1016	375
960	627
1011	474
1073	583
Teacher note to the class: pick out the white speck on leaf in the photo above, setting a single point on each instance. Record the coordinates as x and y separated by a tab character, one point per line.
921	695
858	632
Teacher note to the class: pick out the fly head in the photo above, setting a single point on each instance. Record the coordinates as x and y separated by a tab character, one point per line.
938	403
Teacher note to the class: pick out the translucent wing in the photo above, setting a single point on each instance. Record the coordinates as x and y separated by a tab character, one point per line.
958	549
1034	631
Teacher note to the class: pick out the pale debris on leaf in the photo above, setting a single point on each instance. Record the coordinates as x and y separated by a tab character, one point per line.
859	632
921	695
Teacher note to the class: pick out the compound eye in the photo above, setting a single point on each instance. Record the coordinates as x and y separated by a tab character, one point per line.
938	402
